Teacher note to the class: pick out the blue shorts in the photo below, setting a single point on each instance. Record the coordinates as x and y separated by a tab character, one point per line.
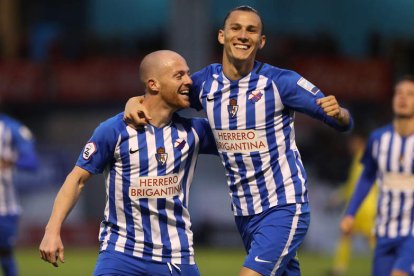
394	254
117	263
272	238
8	231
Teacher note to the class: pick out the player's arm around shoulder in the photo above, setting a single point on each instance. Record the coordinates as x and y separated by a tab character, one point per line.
135	114
51	248
207	141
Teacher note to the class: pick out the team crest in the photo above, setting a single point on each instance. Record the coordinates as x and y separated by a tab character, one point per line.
90	148
232	107
161	156
179	143
255	96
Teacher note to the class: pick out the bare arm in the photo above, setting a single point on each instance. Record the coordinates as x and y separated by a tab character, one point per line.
135	114
331	107
51	246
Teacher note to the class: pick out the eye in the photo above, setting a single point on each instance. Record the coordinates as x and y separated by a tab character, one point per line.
252	30
234	27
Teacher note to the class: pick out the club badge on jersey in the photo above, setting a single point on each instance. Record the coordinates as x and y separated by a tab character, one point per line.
161	156
232	107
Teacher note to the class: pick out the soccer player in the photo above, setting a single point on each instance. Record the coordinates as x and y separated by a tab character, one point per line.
250	106
148	172
365	217
17	150
389	160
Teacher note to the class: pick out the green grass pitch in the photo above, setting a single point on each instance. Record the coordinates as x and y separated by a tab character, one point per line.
211	262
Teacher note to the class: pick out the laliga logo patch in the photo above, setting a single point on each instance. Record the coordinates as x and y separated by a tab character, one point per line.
179	143
232	107
305	84
90	148
161	156
255	96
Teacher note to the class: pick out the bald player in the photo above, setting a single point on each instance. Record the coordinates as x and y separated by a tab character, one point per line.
148	173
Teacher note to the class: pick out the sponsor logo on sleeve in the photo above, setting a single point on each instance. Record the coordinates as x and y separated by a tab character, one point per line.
308	86
89	150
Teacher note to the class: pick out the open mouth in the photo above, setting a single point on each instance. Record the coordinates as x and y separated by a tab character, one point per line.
184	92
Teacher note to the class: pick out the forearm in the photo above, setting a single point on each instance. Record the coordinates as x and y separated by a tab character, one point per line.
65	200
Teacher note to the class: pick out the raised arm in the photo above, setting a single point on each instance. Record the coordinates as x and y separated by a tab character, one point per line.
51	247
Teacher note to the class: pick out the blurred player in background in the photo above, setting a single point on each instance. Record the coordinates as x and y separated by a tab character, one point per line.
389	160
250	107
148	172
365	217
17	151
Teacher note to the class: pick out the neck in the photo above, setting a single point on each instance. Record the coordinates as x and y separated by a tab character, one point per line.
234	69
404	126
160	113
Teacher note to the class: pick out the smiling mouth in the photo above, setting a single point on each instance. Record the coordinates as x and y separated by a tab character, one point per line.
185	92
241	47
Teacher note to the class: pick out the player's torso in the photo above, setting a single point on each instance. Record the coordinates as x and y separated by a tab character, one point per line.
8	200
245	114
147	186
255	137
156	160
394	155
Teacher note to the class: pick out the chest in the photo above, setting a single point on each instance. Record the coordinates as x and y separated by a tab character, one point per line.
156	151
245	104
394	153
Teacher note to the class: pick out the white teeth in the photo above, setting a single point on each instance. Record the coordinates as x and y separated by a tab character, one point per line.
243	47
185	92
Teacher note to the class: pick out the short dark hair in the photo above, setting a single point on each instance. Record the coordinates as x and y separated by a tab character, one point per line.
243	8
407	77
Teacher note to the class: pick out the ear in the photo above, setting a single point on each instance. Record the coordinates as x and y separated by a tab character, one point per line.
153	85
220	37
262	41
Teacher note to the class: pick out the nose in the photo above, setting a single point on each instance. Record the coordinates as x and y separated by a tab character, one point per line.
188	80
242	35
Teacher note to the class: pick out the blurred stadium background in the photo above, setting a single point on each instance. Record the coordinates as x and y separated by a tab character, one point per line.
67	65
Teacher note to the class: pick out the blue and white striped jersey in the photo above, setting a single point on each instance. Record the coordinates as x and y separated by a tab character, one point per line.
16	150
148	174
389	160
253	123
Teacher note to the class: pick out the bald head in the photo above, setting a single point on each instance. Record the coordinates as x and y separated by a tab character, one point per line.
156	63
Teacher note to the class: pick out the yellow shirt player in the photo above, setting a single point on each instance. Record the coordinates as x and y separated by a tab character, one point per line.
365	217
